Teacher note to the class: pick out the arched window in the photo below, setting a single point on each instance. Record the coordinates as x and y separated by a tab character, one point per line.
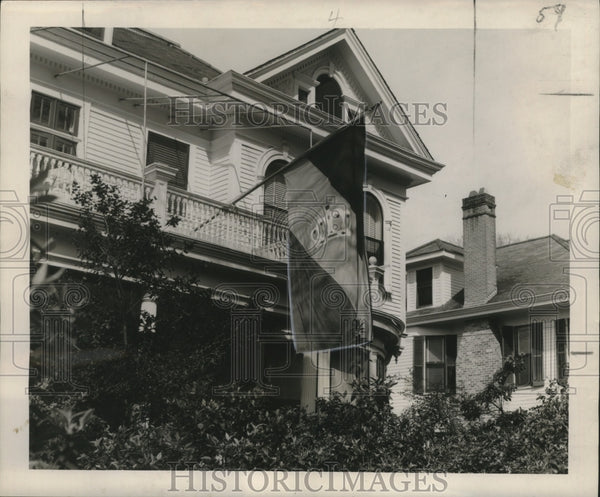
373	223
274	200
328	96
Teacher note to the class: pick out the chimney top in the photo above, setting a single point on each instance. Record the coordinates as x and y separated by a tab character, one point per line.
478	199
479	240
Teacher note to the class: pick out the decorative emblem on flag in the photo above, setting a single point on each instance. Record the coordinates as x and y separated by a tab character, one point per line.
327	266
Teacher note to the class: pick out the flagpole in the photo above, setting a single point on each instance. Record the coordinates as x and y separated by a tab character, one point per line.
291	164
304	154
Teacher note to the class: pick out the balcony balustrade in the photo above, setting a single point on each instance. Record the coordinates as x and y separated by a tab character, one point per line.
201	219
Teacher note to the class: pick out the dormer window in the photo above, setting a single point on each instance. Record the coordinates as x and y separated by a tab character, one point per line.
424	287
328	96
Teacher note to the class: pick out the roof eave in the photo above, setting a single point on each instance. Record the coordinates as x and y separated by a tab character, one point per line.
491	308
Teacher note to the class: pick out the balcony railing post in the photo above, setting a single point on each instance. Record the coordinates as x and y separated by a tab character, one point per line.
201	218
160	174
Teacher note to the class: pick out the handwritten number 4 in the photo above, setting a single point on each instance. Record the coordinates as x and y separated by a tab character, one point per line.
337	16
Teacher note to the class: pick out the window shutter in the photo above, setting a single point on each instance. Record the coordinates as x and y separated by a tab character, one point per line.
373	218
537	350
418	360
451	363
172	153
275	192
522	345
508	348
562	347
373	228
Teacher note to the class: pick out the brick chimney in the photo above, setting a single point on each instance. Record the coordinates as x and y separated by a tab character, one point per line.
479	240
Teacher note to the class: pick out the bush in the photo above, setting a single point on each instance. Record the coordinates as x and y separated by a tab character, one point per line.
250	431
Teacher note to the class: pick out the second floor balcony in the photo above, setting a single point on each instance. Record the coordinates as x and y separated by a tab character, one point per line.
201	219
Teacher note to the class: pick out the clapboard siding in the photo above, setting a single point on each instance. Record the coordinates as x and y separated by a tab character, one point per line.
411	290
457	281
402	373
438	283
250	156
396	261
199	175
114	141
220	182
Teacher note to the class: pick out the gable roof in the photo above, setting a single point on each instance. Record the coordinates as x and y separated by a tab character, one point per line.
354	50
436	245
256	72
157	49
531	269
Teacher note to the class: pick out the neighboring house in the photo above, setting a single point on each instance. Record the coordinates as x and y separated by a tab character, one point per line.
139	115
469	307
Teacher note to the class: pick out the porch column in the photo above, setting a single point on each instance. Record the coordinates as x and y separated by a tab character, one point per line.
148	311
316	378
160	174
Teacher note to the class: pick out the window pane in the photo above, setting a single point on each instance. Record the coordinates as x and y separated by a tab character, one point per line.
435	378
38	138
435	349
424	287
40	109
328	96
524	346
66	118
64	146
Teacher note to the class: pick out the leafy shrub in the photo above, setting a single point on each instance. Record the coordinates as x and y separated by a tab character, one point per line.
249	431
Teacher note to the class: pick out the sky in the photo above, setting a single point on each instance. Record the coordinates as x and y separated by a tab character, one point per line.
501	134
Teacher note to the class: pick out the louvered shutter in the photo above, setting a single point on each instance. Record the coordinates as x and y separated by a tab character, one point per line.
275	207
508	349
418	364
373	228
451	363
562	347
172	153
537	354
523	347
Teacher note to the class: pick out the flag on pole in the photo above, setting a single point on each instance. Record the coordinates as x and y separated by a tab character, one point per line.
328	279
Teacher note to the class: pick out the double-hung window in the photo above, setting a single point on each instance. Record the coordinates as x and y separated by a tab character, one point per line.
53	123
434	364
528	342
424	287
